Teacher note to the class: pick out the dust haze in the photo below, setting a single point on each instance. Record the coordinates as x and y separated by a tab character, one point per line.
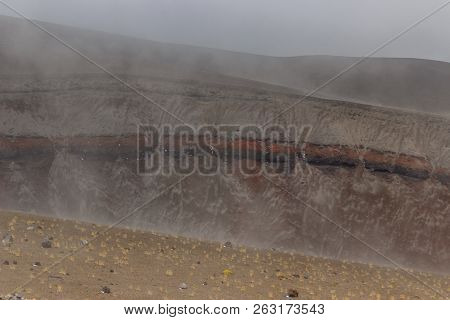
285	28
210	62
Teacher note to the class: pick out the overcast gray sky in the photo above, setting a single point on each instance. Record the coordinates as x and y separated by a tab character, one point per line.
269	27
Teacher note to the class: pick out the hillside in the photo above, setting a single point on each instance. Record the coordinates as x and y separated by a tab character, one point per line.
134	264
349	171
409	84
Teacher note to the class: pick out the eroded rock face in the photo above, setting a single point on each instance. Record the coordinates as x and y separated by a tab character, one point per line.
68	150
404	218
15	148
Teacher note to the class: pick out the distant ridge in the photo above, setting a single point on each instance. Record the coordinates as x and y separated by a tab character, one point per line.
410	84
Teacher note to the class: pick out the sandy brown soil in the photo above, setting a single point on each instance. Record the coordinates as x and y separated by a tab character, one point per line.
142	265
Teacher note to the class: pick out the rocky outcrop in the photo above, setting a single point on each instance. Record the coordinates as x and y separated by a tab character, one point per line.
238	148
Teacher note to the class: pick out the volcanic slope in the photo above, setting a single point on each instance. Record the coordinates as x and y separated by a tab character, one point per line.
409	84
132	264
48	91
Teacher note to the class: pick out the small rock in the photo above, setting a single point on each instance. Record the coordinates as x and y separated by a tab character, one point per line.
183	286
83	242
228	244
204	283
31	228
292	293
106	290
37	264
46	243
15	296
111	270
306	276
6	263
14	262
296	275
7	240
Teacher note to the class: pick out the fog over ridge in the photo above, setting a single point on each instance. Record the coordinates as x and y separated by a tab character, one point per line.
285	28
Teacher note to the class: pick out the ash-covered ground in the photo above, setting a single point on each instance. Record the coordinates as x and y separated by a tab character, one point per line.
131	264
